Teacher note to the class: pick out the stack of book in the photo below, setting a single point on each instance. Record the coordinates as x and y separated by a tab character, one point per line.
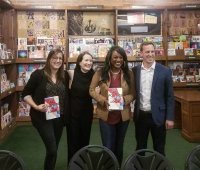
6	116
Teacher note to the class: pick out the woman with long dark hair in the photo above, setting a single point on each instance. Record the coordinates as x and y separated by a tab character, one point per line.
81	107
114	124
50	81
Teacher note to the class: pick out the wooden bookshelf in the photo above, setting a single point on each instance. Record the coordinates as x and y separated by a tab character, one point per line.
23	118
6	4
19	88
30	60
7	61
187	84
7	93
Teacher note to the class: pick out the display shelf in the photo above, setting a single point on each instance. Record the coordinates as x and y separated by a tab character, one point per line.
95	59
19	88
7	93
6	4
5	131
23	118
91	36
7	61
30	60
186	84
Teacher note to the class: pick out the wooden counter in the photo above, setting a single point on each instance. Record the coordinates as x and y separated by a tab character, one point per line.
190	113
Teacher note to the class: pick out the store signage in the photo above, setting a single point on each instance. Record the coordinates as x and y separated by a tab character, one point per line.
91	7
139	58
42	7
191	57
95	59
141	7
40	60
192	84
8	61
9	92
190	6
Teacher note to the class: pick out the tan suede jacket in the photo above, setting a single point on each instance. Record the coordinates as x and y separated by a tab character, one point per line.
129	95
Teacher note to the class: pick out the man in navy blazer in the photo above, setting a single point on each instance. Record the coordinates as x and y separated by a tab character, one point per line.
154	107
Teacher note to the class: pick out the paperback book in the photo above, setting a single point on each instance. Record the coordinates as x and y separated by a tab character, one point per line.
115	99
188	51
171	52
53	109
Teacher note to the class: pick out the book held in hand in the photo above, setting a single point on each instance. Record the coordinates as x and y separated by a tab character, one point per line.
115	99
53	109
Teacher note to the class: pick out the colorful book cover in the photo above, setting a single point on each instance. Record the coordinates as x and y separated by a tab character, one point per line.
53	109
22	54
176	38
171	45
159	52
102	51
136	53
23	67
178	45
193	45
171	52
198	51
186	45
190	78
197	78
188	51
115	99
182	38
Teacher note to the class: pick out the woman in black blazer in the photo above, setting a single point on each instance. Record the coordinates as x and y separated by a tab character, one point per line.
50	81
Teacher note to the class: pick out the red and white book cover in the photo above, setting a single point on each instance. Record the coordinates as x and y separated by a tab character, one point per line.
53	110
115	99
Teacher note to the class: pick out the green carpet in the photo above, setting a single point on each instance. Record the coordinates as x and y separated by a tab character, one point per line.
25	141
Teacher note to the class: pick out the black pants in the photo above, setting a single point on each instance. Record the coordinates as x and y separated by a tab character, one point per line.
51	133
78	133
145	124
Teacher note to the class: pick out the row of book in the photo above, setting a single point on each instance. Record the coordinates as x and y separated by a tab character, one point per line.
24	108
132	45
187	51
5	83
5	53
6	116
186	78
25	71
97	47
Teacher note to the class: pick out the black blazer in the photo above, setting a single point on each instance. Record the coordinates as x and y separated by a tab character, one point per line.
36	87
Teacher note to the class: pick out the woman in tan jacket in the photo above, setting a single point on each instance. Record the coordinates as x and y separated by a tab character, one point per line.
114	124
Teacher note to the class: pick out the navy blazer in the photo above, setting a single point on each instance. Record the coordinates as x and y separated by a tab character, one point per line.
162	94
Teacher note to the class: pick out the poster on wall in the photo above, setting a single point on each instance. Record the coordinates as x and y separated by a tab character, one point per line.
147	23
32	24
183	22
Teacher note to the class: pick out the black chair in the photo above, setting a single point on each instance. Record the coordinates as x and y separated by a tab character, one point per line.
94	157
151	161
11	161
193	159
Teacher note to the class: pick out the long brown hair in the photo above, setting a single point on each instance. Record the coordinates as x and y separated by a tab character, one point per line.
47	70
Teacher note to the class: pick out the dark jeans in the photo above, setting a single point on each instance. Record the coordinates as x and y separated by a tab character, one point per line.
78	133
145	124
113	137
51	133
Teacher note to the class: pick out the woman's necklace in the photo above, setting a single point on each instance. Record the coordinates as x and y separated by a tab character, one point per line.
115	73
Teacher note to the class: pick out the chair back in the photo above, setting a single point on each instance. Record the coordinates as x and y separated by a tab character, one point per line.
152	161
94	157
11	161
193	159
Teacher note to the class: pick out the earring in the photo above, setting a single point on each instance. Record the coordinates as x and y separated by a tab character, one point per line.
124	64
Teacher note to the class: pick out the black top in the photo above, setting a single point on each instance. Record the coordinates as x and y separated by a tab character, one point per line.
80	100
57	89
36	87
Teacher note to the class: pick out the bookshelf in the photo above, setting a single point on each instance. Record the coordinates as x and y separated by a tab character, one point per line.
10	35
